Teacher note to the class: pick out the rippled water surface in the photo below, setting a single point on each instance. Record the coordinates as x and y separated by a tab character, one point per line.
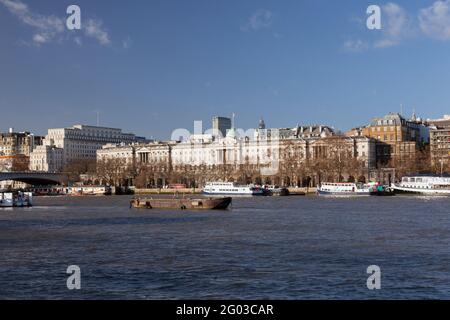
277	248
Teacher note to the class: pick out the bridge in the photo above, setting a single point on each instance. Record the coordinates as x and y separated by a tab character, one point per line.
33	178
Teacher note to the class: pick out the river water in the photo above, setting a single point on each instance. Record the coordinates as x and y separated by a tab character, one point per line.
263	248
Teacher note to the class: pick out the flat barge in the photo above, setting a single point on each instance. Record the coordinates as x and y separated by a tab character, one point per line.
181	203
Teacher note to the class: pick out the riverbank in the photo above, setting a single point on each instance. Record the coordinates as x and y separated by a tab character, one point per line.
292	191
300	191
168	191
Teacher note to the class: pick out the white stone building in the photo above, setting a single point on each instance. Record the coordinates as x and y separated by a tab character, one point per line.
117	151
46	158
365	148
260	147
75	143
155	152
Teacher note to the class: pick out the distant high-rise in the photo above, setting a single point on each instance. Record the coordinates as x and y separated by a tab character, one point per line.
221	124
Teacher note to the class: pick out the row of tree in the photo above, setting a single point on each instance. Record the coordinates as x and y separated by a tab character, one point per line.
335	160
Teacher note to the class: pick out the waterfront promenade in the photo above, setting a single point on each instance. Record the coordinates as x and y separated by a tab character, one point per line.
293	191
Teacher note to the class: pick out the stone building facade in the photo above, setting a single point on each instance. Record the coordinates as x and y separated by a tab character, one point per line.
63	145
440	146
272	156
398	139
18	143
15	150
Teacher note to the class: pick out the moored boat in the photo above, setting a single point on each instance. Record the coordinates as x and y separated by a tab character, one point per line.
344	189
277	191
231	188
16	199
48	190
424	185
381	190
181	203
89	191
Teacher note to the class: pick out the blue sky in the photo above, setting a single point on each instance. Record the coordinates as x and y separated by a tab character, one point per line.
152	66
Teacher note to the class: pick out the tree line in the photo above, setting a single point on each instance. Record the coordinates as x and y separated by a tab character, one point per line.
333	161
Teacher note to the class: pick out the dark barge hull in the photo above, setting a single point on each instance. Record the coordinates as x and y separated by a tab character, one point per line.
182	204
279	193
383	193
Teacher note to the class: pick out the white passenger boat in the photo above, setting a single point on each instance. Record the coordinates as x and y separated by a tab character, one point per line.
425	185
88	191
231	188
16	199
345	189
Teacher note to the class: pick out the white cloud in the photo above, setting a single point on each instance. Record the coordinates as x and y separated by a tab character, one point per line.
355	45
385	43
396	21
40	39
15	7
262	18
94	29
434	21
47	28
397	25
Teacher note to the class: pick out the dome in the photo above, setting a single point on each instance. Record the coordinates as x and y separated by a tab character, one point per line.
261	125
231	133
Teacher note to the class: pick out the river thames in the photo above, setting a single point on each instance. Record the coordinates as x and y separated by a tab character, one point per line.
262	248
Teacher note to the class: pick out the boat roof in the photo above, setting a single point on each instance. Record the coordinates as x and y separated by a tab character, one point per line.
343	183
445	175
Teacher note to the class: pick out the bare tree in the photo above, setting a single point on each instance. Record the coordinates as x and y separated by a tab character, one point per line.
113	171
145	176
74	169
20	163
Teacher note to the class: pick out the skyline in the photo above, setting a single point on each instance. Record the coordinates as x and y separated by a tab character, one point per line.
149	68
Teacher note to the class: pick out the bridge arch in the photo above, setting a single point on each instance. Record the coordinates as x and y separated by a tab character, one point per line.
33	178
